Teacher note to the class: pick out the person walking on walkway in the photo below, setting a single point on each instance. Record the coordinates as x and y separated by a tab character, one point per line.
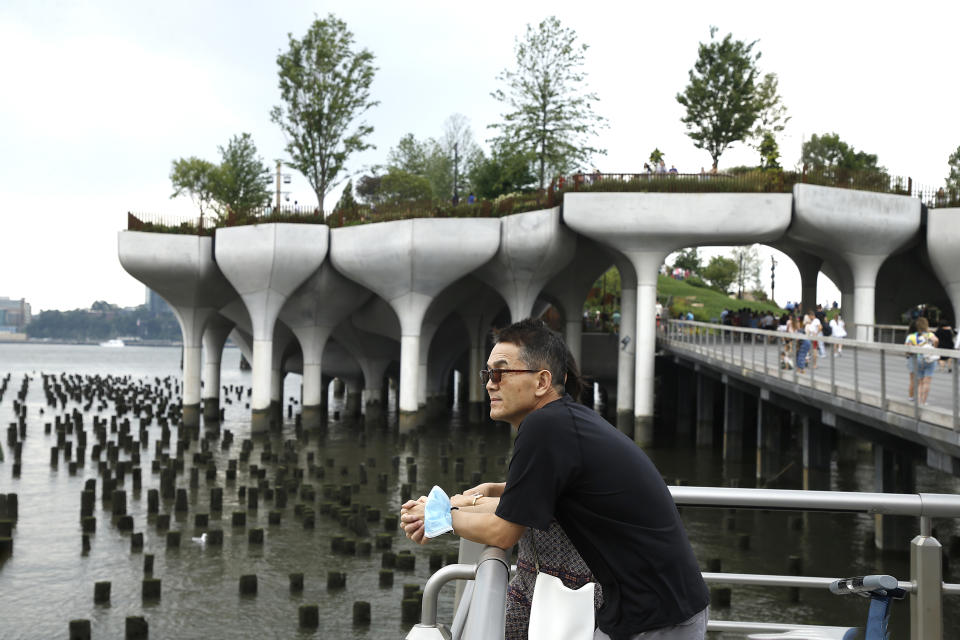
838	329
920	365
571	465
944	335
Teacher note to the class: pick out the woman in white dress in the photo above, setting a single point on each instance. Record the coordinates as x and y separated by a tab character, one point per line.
838	329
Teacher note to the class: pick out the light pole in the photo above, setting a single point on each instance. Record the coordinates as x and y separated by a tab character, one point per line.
773	273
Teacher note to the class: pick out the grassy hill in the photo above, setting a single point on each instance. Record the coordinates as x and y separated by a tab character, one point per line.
706	304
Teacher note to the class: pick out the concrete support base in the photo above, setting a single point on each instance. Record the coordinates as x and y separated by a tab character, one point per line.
475	411
625	421
893	473
351	405
816	455
643	430
409	420
704	419
373	410
260	420
311	417
211	409
191	415
732	425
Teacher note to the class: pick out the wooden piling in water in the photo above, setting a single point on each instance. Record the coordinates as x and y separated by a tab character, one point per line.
361	613
296	582
309	616
136	628
150	589
248	585
101	592
79	630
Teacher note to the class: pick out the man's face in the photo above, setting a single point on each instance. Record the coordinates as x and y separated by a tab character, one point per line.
515	396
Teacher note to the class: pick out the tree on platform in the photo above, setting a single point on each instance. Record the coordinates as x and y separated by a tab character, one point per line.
238	185
688	259
721	98
953	178
550	112
325	88
828	151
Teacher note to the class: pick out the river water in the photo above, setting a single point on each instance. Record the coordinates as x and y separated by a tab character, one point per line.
48	581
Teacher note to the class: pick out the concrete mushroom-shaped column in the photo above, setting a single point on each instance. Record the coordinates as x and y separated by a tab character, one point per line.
571	285
534	246
180	268
860	227
446	302
407	263
478	312
266	263
374	353
943	239
214	337
646	227
627	343
312	312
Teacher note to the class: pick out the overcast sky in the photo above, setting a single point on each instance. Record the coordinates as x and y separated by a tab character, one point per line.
99	97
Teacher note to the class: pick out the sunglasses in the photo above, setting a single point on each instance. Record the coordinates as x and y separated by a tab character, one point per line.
496	374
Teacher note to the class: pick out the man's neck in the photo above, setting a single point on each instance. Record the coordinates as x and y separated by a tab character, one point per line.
553	396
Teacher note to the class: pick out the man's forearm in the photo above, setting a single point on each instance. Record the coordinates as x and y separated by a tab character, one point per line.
486	528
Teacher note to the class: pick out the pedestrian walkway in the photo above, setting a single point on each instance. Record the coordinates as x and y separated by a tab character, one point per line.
869	374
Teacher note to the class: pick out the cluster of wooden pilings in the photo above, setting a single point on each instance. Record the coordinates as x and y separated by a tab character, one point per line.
125	435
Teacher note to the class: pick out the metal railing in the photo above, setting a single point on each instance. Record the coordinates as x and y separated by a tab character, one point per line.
886	333
866	372
479	611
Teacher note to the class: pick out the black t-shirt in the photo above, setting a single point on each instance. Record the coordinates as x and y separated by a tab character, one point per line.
571	464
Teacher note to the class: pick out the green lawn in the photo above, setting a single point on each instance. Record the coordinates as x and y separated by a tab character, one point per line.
706	304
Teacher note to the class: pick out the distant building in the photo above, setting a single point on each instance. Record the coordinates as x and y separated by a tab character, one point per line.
14	315
155	304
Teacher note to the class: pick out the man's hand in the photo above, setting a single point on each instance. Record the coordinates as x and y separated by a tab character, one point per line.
411	520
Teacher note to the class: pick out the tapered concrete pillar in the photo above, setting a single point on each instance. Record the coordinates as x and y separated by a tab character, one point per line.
322	302
181	269
534	246
646	227
861	227
943	238
266	263
478	312
214	337
571	286
414	261
627	352
446	302
374	353
283	346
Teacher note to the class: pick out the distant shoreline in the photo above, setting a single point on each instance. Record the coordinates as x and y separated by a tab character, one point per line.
137	343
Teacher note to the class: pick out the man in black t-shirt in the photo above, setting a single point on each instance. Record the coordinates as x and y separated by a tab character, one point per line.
570	464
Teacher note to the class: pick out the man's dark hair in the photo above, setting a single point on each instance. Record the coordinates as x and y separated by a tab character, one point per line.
540	347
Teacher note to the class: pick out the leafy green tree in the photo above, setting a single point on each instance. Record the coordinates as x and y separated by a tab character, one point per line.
769	152
721	98
828	151
238	184
409	155
772	115
655	157
953	179
402	186
506	170
550	111
196	178
368	188
241	179
747	261
325	88
720	272
461	152
688	259
346	201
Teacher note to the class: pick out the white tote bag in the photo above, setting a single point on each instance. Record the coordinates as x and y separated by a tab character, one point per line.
559	613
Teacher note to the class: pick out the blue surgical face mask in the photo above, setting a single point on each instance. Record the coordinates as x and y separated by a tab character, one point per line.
437	519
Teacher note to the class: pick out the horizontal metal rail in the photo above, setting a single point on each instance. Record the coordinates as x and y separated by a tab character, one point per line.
762	580
929	505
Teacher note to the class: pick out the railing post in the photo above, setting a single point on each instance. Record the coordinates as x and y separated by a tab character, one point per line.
956	393
856	374
926	602
833	371
883	379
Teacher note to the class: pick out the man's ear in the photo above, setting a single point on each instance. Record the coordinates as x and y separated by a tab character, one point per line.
544	382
